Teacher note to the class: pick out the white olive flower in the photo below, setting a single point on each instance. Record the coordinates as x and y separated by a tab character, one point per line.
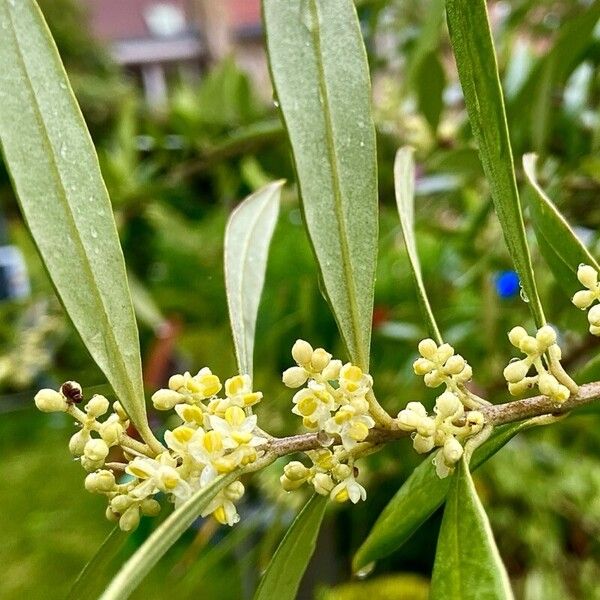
237	428
351	426
156	477
348	489
314	404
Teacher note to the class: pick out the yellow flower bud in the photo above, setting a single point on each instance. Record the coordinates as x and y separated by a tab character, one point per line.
95	450
176	382
119	504
452	450
516	389
111	432
422	366
426	426
423	444
97	406
91	465
594	315
322	483
447	404
588	276
150	507
294	377
515	371
234	491
130	519
529	345
427	348
342	471
290	485
455	364
78	441
111	516
465	375
516	335
48	400
296	471
433	379
302	352
548	384
583	299
102	481
332	370
319	360
118	408
546	336
444	352
166	399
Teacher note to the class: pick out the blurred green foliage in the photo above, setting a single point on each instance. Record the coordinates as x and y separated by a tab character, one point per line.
175	174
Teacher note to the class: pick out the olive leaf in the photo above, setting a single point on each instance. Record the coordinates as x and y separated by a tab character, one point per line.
420	496
320	74
162	538
473	49
286	568
55	174
404	183
560	247
247	239
467	563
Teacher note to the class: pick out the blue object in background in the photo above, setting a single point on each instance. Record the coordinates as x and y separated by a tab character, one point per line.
507	284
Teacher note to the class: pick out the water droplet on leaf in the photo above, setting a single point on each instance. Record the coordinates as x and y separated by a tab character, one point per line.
365	571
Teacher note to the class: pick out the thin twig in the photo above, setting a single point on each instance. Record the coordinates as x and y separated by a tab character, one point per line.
498	414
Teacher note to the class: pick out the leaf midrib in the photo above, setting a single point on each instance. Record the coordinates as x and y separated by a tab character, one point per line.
62	198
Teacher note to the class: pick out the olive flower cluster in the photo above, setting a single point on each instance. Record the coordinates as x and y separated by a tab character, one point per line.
440	365
333	400
332	474
216	436
450	424
335	397
542	354
588	277
447	428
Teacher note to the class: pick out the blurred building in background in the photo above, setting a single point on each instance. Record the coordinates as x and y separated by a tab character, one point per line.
154	40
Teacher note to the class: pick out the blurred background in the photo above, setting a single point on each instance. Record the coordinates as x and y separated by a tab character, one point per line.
178	100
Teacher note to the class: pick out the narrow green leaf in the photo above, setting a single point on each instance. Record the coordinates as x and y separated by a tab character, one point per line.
427	42
284	572
98	572
319	70
467	563
55	174
420	496
473	49
162	538
404	184
534	103
146	309
430	84
560	247
247	239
